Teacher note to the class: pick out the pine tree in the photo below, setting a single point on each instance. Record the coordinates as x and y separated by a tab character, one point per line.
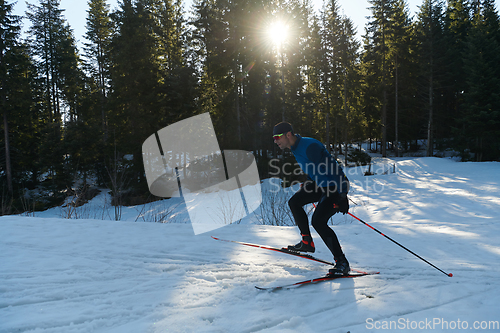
9	31
54	47
99	31
171	32
293	58
387	66
218	34
457	24
376	56
401	63
370	85
351	84
432	65
332	31
480	116
23	110
314	115
151	85
257	73
135	80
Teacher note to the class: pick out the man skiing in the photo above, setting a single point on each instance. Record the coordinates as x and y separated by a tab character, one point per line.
327	185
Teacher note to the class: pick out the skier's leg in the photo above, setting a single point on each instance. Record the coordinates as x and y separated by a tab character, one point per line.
325	210
305	195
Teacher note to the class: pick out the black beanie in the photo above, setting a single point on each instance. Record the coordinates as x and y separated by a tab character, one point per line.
282	127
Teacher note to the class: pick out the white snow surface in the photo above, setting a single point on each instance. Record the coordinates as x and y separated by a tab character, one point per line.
95	275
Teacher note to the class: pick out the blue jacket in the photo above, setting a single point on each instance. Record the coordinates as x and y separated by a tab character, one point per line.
319	164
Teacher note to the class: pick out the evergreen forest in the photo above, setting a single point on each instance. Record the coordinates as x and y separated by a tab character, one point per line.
74	115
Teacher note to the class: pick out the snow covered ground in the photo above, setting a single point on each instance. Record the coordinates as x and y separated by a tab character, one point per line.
95	275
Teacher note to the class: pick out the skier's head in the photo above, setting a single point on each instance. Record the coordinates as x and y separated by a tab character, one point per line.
282	128
283	135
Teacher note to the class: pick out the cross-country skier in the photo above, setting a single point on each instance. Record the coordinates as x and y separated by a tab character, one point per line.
327	185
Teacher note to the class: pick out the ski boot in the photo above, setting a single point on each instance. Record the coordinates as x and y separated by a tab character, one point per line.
341	267
305	245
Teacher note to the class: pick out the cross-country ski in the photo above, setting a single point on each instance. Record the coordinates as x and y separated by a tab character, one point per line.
352	274
276	249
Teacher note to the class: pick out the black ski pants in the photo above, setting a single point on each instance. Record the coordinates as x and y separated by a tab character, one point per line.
310	193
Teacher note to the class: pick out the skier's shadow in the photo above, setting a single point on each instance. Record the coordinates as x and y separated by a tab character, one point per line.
343	290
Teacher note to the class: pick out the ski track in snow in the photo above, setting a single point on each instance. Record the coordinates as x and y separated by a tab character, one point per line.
60	275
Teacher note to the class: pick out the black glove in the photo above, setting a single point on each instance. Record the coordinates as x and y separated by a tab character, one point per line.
343	204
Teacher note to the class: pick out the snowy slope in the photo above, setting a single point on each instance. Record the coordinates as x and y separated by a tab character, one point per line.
84	275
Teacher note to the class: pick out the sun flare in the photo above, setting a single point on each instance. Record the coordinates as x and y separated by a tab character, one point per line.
278	32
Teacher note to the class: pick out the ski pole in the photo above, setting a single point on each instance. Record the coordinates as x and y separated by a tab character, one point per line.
392	240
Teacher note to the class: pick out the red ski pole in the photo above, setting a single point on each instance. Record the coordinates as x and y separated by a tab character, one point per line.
392	240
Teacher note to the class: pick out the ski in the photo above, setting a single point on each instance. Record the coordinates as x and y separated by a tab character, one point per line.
282	250
352	274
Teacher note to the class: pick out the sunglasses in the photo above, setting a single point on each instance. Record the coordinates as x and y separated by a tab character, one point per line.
278	136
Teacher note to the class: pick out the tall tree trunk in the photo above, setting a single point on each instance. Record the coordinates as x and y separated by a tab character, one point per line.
327	130
430	140
282	87
396	145
102	84
8	168
345	110
430	143
238	116
384	94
